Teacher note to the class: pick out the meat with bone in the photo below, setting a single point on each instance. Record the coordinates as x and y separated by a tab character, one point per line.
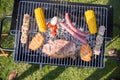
25	28
60	49
99	40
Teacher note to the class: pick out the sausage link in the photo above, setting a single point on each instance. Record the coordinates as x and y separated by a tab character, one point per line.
68	21
73	33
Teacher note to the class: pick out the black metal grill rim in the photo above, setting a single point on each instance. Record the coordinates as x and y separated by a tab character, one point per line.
60	64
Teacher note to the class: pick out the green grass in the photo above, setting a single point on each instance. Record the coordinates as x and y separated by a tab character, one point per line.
32	72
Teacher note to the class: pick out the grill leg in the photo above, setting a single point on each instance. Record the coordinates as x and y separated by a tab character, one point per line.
40	67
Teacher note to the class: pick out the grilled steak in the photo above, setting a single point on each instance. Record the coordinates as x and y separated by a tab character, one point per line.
60	48
85	52
36	42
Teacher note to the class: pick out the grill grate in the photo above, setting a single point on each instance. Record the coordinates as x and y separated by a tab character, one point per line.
23	54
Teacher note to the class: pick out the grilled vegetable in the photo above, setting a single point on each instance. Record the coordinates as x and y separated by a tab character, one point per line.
54	29
54	33
36	42
40	18
49	25
91	21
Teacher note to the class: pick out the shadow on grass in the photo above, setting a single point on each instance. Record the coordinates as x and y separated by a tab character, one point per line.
29	71
50	76
112	67
54	74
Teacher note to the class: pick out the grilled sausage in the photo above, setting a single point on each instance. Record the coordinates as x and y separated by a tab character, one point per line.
73	33
68	21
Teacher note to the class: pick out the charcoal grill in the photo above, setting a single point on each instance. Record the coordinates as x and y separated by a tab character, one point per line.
104	15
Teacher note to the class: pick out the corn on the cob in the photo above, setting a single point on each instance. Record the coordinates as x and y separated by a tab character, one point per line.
91	21
40	18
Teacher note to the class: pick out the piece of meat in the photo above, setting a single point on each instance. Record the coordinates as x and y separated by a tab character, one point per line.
99	39
96	50
26	20
36	42
60	48
101	30
85	52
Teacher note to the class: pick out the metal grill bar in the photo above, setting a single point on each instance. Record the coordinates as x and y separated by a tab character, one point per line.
23	54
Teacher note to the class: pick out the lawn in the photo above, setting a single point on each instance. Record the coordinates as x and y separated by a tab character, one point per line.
33	72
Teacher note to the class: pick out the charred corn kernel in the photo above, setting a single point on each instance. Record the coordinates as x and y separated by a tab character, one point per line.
91	21
40	19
